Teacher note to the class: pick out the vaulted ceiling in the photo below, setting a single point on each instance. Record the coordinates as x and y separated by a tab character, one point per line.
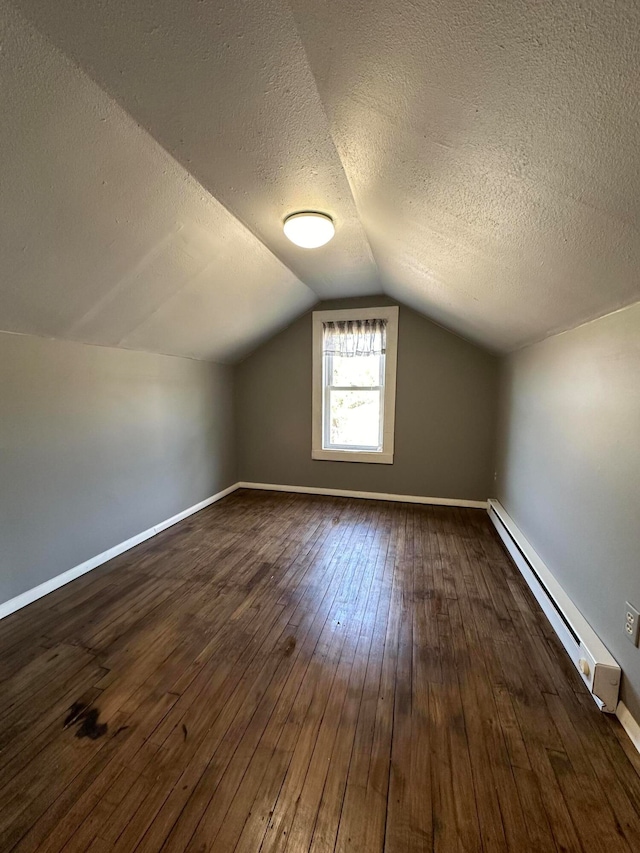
480	159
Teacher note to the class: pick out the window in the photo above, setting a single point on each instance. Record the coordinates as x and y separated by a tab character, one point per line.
354	381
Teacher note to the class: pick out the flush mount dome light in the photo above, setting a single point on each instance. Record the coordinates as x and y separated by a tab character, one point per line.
309	229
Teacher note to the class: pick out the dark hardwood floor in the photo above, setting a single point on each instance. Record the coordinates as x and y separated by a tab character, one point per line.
284	672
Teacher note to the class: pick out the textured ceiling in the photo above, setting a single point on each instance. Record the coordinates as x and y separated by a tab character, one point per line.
104	238
480	160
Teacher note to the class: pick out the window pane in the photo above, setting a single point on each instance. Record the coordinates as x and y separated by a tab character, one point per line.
355	370
354	418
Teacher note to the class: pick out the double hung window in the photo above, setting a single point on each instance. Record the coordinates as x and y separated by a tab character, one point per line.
354	384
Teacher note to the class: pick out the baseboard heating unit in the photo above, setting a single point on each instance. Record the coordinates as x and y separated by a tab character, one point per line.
597	668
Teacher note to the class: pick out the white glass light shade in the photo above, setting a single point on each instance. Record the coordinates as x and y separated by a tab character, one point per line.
309	230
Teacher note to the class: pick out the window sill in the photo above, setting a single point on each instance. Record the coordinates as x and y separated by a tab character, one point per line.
353	456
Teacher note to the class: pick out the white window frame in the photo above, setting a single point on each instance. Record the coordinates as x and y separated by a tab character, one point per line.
384	456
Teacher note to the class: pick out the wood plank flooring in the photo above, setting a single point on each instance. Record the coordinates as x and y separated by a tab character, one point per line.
297	673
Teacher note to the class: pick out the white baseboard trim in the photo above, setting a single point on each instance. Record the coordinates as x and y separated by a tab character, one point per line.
629	724
20	601
30	595
596	666
374	496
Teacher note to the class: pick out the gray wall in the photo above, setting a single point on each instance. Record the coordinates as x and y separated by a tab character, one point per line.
99	444
445	414
569	469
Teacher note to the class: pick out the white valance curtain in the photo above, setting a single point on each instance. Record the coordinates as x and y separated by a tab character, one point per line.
354	337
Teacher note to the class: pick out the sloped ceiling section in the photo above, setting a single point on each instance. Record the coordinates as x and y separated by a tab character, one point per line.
105	239
493	150
480	160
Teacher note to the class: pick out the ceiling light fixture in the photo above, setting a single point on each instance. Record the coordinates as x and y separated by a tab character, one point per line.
309	229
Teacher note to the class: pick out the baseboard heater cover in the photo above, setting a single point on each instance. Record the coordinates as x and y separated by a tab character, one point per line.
593	661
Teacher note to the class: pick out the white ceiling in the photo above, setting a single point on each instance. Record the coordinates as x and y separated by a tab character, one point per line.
480	160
